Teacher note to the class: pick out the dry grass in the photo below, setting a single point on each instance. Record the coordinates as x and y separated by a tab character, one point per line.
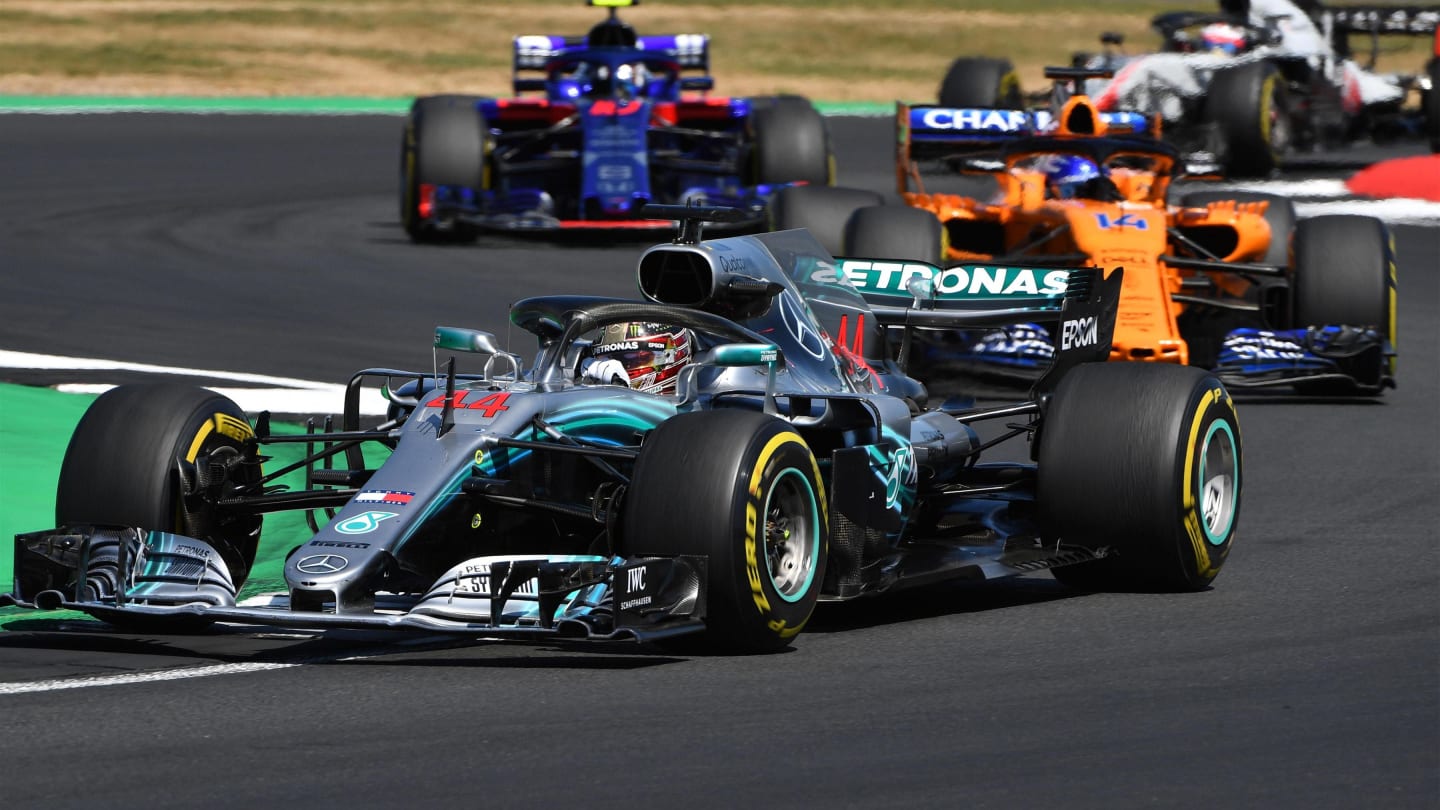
837	50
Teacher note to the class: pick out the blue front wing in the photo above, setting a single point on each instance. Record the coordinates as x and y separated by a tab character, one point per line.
1357	359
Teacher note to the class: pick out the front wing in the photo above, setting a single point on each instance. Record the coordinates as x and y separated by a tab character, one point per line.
1264	358
1249	358
123	573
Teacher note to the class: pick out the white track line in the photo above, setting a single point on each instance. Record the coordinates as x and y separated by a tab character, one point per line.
278	394
1322	196
11	359
1322	188
85	682
1394	211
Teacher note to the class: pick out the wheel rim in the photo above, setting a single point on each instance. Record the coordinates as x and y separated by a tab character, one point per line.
1279	124
791	536
1218	483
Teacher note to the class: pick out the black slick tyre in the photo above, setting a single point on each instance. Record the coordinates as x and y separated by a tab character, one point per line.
1344	275
1143	462
743	489
821	210
895	232
135	460
1249	105
1430	103
446	143
978	82
789	142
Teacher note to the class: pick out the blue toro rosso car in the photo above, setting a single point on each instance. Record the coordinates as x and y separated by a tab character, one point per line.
600	125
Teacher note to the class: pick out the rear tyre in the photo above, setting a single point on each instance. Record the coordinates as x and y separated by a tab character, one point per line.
1249	105
1430	104
446	143
752	501
789	143
821	210
1142	461
980	82
895	232
139	458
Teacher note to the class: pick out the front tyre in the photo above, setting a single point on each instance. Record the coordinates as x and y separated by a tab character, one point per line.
1142	462
446	142
150	456
743	489
1344	274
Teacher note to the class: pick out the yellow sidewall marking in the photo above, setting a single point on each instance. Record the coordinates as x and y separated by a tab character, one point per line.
752	526
1390	295
205	430
1191	518
1267	102
225	425
1009	83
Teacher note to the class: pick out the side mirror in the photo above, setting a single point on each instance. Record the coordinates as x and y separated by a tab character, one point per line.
460	339
746	354
752	354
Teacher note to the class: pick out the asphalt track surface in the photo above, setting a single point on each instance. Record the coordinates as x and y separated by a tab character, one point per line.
1309	676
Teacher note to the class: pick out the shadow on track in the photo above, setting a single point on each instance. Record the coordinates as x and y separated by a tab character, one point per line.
935	601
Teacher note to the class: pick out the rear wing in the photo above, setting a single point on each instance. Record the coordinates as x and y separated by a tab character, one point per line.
1399	20
917	295
534	52
935	131
903	293
927	132
1379	21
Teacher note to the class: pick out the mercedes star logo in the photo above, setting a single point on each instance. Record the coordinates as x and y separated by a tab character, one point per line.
797	323
322	564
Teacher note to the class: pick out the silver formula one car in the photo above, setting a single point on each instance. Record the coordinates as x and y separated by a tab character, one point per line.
794	462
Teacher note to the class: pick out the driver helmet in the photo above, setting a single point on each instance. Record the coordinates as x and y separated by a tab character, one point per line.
653	354
1067	175
630	79
1222	38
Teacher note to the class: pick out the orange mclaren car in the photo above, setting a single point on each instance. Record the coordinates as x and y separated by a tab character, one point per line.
1227	280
